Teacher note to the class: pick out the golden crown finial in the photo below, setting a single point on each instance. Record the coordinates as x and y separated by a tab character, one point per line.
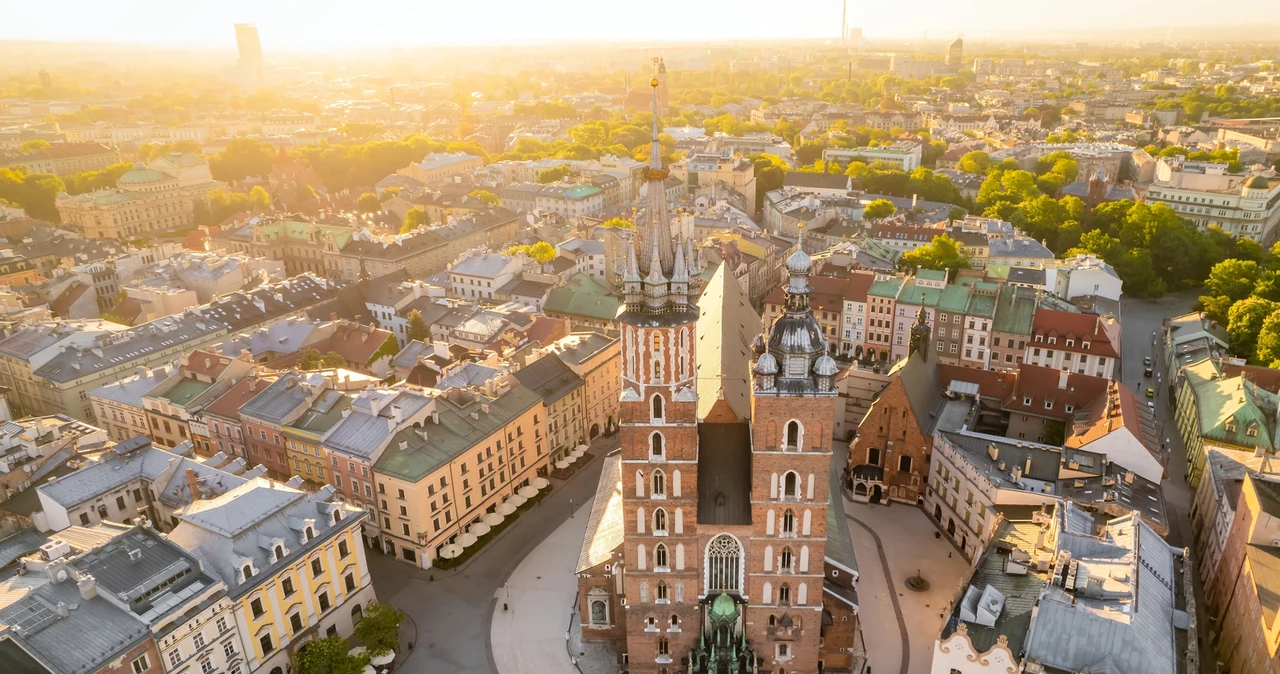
653	82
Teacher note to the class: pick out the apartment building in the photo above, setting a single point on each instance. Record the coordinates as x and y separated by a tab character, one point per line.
293	563
1215	410
118	406
562	392
595	357
1082	343
62	159
425	252
462	465
170	406
1207	194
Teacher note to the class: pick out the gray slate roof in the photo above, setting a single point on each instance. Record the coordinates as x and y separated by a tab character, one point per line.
129	391
282	398
550	377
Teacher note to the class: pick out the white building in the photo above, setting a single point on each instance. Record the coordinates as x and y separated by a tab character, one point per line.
570	200
1081	276
904	155
480	275
1246	205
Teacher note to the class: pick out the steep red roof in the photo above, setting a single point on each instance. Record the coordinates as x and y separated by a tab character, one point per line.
1081	328
546	330
228	404
207	363
61	305
991	383
857	285
1048	392
828	294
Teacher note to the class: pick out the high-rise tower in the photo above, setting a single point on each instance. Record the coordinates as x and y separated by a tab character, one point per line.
250	49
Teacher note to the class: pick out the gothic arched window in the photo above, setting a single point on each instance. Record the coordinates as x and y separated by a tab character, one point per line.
793	435
789	522
659	520
655	446
791	485
724	564
657	407
659	556
658	484
786	561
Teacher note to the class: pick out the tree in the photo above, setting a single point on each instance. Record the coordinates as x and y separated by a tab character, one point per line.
243	158
414	218
954	83
974	161
387	193
418	328
1234	279
942	253
809	151
379	629
33	145
553	174
368	203
880	208
328	656
311	359
623	223
543	252
485	196
1245	321
259	196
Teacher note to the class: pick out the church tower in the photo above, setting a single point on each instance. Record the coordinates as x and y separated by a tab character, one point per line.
793	412
659	432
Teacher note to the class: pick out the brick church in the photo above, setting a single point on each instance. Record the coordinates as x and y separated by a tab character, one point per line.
711	546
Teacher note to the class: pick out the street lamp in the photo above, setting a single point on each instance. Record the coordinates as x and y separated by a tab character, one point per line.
570	508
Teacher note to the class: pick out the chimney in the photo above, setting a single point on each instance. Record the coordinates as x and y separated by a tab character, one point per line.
993	452
88	587
397	414
1062	379
135	555
193	484
1027	469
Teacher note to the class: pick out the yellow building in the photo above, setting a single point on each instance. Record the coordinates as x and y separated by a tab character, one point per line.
293	564
158	197
596	358
562	391
459	467
307	457
705	169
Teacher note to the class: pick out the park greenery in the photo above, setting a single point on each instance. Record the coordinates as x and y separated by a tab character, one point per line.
486	197
541	251
330	655
414	218
943	253
379	628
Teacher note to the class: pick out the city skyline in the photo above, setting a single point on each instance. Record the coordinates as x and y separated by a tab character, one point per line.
575	21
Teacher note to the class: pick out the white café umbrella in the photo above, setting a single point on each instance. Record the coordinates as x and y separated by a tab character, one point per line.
494	519
572	458
467	540
540	483
561	465
506	508
527	491
517	500
384	659
451	551
369	669
479	528
357	651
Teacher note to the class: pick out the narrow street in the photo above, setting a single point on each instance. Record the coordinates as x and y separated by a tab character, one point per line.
1140	318
453	610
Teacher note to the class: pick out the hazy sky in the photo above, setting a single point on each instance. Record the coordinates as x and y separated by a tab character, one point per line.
321	24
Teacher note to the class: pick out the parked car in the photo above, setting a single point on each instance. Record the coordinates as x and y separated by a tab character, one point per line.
1151	393
1146	360
1146	372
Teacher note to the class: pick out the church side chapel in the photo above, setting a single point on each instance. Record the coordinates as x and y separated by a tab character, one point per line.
717	540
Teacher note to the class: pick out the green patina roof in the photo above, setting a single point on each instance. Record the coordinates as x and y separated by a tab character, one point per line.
322	415
1221	402
1258	183
931	274
919	295
954	299
1014	314
185	391
982	302
724	608
1000	271
455	433
887	288
300	231
583	296
142	175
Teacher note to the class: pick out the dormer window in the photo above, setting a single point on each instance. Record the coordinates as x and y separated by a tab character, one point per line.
247	571
277	553
1231	424
1039	338
1053	340
337	515
1026	400
1252	429
309	534
1071	342
1084	345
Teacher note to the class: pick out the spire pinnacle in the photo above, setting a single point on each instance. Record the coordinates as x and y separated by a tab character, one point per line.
655	151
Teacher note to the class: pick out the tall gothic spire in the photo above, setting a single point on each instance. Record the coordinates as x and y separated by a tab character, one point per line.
656	226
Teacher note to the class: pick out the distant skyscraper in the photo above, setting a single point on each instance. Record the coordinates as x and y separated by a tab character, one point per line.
250	47
955	54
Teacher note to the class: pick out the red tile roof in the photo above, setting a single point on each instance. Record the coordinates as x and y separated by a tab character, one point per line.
1083	328
1043	385
207	363
991	383
228	404
828	294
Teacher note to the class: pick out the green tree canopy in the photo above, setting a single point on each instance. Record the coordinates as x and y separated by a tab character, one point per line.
543	252
33	145
487	197
553	174
414	218
418	328
974	161
1245	320
879	208
259	196
368	203
379	629
941	253
328	656
243	158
